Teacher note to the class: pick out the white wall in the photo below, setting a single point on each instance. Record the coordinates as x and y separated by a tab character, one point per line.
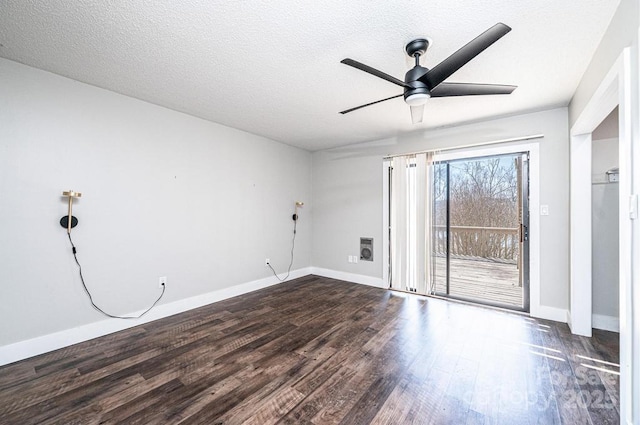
621	32
604	225
347	194
164	194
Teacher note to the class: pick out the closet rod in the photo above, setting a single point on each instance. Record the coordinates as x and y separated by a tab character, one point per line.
473	145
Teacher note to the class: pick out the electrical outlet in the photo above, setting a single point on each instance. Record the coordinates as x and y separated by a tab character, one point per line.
267	262
162	281
350	259
355	258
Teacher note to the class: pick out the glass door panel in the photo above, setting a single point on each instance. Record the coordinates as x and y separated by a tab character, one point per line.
481	221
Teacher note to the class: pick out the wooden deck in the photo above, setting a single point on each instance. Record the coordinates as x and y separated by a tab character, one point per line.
484	281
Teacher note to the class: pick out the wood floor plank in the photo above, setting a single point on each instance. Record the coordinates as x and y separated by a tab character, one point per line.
34	391
322	351
137	409
73	403
322	391
396	407
16	374
204	398
428	397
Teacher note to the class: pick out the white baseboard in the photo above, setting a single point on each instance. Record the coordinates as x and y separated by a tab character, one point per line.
43	344
550	313
350	277
606	323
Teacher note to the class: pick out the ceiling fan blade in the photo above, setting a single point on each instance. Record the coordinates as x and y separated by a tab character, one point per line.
416	114
369	104
373	71
470	89
444	69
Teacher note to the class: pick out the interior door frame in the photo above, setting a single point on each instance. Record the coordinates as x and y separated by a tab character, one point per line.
610	93
531	146
614	90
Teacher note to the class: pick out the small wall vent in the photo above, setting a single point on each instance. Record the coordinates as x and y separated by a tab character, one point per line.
366	249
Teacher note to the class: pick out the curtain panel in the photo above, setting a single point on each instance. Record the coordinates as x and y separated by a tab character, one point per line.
411	201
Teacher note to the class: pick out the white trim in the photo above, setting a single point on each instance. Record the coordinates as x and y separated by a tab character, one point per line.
580	235
606	323
349	277
471	145
43	344
629	117
603	101
615	89
551	313
486	150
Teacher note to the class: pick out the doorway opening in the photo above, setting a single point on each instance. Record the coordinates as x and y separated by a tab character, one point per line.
615	90
605	212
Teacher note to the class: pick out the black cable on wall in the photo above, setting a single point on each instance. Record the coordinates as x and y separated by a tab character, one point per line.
75	256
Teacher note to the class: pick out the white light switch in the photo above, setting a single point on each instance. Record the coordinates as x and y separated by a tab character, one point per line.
544	209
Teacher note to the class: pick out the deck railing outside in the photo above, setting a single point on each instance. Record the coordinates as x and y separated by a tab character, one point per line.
492	243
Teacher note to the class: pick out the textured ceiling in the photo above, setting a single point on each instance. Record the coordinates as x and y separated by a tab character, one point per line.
273	68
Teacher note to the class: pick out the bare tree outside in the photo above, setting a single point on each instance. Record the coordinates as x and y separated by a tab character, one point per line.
484	193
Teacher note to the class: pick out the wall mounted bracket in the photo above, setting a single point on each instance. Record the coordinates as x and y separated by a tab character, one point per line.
299	204
69	221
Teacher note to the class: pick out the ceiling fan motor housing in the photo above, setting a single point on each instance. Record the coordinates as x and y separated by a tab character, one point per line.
417	87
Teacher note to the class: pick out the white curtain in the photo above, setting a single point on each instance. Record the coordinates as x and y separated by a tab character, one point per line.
399	222
410	219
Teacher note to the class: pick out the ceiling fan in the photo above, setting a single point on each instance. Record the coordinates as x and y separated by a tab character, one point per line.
421	83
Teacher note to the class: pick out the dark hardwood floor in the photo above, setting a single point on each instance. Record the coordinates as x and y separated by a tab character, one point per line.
323	351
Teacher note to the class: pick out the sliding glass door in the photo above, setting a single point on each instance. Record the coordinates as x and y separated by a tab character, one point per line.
480	230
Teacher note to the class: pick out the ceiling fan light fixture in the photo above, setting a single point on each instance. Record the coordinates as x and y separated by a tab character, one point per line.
417	99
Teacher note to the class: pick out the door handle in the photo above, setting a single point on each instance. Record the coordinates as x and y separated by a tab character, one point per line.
524	233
